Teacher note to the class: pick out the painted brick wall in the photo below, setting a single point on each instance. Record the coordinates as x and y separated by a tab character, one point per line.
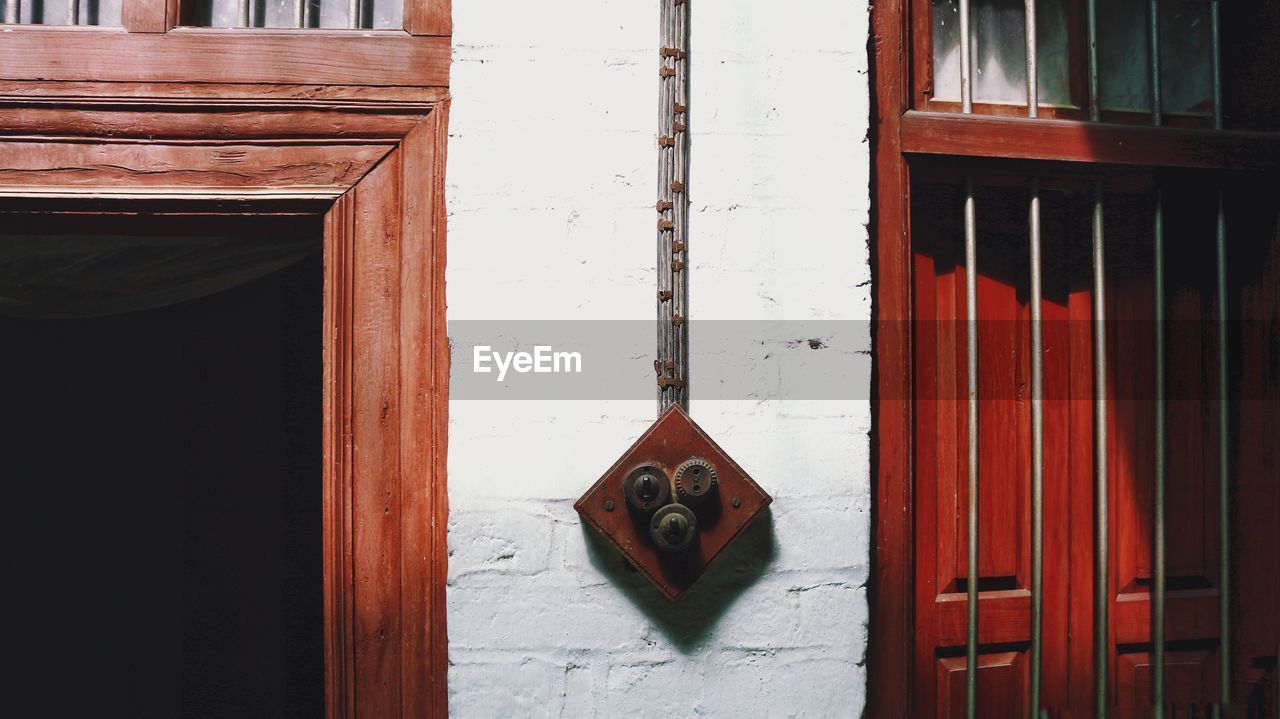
551	189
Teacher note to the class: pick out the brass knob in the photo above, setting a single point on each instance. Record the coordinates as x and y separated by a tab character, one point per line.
673	528
647	488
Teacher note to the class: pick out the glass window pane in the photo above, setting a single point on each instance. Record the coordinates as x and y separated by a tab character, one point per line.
1186	57
998	29
54	12
378	14
1124	52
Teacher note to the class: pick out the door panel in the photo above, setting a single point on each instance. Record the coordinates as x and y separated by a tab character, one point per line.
940	427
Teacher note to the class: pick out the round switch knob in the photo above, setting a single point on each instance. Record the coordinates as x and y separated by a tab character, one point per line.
673	527
695	480
647	488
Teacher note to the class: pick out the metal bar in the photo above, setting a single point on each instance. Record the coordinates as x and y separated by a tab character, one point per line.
1033	80
1037	451
966	71
354	8
971	363
1224	460
1095	109
300	13
1157	110
971	324
1158	558
73	12
11	14
244	12
1224	468
1216	32
1037	377
1101	483
1158	545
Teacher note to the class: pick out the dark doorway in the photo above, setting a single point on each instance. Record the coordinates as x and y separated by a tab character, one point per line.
163	519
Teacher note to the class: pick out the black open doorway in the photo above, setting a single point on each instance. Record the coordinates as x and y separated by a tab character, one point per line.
162	468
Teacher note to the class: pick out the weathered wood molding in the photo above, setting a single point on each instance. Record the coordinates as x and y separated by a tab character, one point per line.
376	176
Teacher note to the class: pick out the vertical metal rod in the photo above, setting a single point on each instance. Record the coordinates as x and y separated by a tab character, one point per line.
1033	80
300	13
1101	595
73	12
971	323
1224	467
1158	559
1095	109
971	363
1224	460
1157	111
1037	451
1037	393
244	12
966	71
354	21
11	14
1158	545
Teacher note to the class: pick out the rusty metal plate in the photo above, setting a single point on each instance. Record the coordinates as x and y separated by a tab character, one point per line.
673	440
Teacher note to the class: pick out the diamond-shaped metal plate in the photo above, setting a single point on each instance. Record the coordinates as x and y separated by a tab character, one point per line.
671	440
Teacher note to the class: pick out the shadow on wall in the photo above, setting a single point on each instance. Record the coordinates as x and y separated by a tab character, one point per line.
688	623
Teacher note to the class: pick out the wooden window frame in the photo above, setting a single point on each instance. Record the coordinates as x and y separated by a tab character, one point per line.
908	134
248	123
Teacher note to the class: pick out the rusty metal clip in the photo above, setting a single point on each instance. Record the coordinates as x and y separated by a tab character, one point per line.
666	141
677	266
677	246
667	72
677	320
679	108
666	225
664	205
664	295
675	52
665	382
677	187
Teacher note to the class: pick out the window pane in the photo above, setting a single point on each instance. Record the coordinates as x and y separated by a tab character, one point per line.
998	30
54	12
1124	52
379	14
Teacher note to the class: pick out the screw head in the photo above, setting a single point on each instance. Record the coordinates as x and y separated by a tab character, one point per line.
737	502
608	505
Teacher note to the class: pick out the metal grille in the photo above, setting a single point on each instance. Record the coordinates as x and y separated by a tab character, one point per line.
1102	591
351	14
62	12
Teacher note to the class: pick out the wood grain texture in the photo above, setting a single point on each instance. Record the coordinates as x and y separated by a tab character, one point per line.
89	92
385	352
428	17
940	133
310	57
163	170
149	15
55	118
890	641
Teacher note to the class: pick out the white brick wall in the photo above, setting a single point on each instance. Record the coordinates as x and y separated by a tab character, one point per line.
551	189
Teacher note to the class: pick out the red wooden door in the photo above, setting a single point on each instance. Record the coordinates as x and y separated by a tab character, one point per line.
940	470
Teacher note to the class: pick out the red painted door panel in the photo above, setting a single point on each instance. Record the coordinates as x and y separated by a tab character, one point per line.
940	428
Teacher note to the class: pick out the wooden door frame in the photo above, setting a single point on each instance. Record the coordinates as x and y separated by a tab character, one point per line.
370	161
891	593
